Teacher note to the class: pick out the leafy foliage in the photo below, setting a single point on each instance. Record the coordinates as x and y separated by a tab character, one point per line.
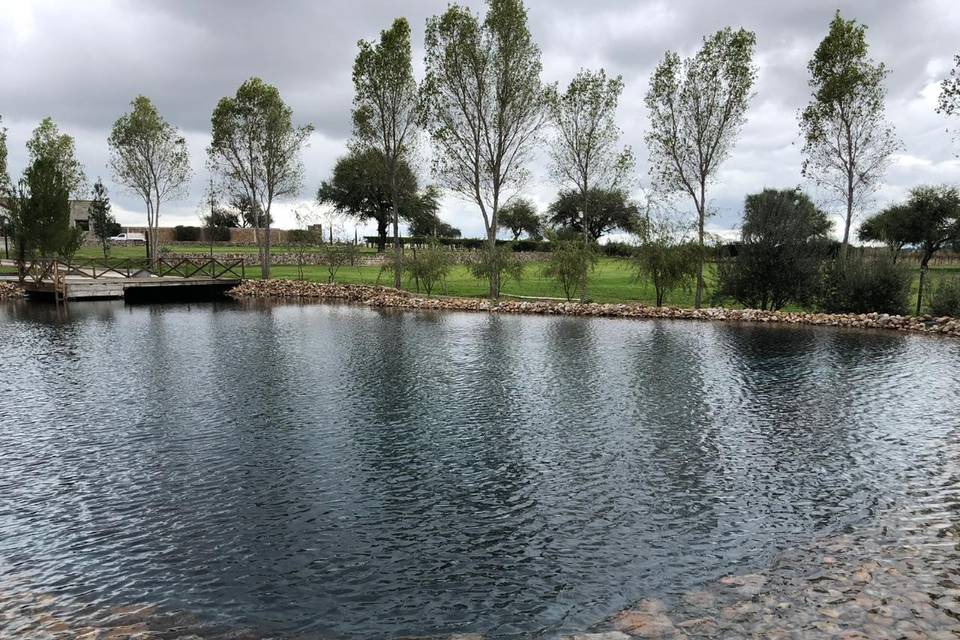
102	223
847	141
47	142
944	299
255	150
697	107
519	217
497	264
386	111
428	267
571	260
892	226
783	240
666	259
607	211
949	101
41	211
484	106
864	285
149	157
5	186
360	187
336	255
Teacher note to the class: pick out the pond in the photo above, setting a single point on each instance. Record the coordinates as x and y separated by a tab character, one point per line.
337	471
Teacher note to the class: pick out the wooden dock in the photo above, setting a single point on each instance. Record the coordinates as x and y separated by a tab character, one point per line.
129	279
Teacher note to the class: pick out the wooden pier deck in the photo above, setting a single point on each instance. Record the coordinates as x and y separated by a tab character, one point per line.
99	280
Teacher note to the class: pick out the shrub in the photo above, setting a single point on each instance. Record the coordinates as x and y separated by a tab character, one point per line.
764	276
864	285
186	234
499	262
618	249
337	255
944	299
569	262
428	267
667	265
216	234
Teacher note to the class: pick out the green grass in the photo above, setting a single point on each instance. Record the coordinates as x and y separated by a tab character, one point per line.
611	282
131	251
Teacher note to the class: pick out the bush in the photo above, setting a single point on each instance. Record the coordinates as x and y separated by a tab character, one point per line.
499	262
428	267
944	299
216	234
864	285
569	262
667	265
186	234
337	255
765	276
618	249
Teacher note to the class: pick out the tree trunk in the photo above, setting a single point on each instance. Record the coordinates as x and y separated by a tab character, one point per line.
846	226
265	249
701	215
397	249
493	264
586	246
923	277
381	236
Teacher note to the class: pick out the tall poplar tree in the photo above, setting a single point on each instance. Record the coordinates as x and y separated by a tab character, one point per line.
385	112
847	142
484	108
697	107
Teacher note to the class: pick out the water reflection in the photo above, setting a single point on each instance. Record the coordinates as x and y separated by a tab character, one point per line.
325	469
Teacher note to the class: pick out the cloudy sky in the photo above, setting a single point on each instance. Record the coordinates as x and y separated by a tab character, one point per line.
82	62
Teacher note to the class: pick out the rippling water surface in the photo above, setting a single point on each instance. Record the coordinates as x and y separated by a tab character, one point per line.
339	471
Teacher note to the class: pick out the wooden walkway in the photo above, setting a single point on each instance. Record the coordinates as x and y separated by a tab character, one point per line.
101	279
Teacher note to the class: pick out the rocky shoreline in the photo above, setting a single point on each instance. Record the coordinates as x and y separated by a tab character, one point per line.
386	297
8	290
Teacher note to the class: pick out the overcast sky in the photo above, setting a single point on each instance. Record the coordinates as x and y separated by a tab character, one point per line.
82	62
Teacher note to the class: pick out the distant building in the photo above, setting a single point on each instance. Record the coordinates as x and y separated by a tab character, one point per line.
80	214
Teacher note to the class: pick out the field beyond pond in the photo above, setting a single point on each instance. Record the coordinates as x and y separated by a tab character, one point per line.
613	280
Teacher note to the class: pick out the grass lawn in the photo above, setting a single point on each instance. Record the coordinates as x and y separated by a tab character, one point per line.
612	281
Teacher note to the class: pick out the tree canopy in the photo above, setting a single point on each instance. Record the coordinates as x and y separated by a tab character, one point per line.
847	143
607	211
149	157
385	114
782	241
519	217
103	225
47	142
484	106
41	211
697	107
255	150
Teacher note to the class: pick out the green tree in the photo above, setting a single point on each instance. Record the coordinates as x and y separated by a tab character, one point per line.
149	157
41	212
893	226
607	211
570	258
930	220
519	217
584	149
847	143
255	150
484	108
47	142
697	107
385	112
102	223
361	188
666	259
428	267
782	243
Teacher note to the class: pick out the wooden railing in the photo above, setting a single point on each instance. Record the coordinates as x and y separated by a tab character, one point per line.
42	270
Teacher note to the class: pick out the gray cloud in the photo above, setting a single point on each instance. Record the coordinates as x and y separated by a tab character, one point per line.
82	63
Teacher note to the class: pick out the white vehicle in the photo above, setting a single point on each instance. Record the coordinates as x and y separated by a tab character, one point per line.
132	238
